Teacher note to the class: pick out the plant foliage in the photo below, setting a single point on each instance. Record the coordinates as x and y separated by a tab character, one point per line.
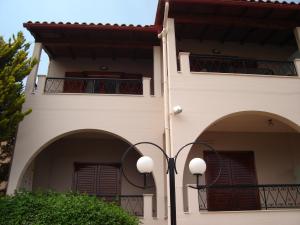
14	67
50	208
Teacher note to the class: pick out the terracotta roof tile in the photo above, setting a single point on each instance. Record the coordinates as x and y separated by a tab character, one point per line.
88	24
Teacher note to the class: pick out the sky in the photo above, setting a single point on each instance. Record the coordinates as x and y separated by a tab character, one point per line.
13	13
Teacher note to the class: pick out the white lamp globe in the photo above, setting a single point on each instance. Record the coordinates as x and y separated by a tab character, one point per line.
197	166
145	164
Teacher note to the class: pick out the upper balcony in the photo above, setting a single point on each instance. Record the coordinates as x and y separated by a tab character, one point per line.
97	59
237	38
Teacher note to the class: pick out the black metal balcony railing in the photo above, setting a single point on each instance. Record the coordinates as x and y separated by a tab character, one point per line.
94	85
133	204
222	64
249	197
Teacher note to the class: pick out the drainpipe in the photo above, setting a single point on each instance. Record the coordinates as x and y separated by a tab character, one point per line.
162	36
166	95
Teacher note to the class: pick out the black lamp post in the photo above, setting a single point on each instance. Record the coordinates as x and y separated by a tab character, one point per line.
145	165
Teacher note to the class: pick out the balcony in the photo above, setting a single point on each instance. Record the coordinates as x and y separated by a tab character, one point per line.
235	65
223	64
94	85
249	197
258	164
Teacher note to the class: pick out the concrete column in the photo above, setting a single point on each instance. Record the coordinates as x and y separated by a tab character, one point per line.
30	84
192	196
171	47
146	86
297	61
157	70
41	84
297	65
184	62
148	206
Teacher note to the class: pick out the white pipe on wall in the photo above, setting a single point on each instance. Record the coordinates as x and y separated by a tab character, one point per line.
166	95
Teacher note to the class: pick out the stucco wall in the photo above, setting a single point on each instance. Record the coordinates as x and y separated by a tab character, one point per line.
208	97
133	118
272	217
54	166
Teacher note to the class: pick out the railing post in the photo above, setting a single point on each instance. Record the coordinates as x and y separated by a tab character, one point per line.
265	199
297	36
184	58
146	86
41	84
193	199
297	65
148	206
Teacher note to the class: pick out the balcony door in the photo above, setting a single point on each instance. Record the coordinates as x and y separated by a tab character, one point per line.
97	179
238	168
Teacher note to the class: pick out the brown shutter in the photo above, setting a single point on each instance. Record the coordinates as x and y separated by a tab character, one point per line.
243	173
238	168
85	178
108	182
218	199
97	179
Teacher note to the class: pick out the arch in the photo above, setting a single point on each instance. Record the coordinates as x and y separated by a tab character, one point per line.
280	118
284	120
292	127
69	133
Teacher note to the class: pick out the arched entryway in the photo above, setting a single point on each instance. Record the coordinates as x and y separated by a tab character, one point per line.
259	150
88	161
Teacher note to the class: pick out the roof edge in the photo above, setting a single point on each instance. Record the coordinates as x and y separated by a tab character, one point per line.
91	26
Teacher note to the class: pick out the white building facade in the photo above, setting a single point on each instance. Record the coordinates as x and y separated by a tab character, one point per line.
233	68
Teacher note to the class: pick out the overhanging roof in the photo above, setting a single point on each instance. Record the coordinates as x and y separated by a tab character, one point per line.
94	40
193	5
234	20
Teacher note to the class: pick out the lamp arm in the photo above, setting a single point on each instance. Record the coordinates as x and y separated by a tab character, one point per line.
131	148
211	149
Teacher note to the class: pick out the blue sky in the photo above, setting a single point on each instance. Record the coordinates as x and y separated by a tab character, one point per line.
13	13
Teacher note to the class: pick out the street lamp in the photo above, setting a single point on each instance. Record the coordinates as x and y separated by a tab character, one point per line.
145	166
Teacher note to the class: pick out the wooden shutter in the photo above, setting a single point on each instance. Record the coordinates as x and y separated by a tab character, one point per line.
218	199
108	181
238	168
243	173
85	178
97	179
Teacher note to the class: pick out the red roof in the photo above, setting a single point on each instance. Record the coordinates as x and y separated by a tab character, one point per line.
253	21
94	40
235	20
90	26
254	4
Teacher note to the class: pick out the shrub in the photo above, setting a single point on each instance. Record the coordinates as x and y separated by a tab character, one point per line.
25	208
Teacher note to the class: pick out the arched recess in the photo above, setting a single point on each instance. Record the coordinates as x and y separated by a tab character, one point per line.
272	139
61	162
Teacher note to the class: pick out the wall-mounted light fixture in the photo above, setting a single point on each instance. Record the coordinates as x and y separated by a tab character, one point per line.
177	109
216	51
104	68
270	122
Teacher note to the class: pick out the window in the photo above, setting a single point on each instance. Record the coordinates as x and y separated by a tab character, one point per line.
97	179
238	169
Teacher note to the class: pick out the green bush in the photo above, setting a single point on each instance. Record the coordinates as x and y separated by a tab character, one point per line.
25	208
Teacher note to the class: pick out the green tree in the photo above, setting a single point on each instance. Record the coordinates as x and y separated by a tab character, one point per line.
14	67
